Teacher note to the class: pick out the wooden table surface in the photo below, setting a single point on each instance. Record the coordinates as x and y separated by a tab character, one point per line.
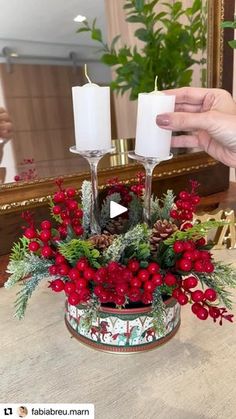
190	377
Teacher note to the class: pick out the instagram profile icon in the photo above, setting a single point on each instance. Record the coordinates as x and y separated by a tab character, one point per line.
22	411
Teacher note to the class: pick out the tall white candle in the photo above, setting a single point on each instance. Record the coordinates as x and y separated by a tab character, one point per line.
92	117
152	141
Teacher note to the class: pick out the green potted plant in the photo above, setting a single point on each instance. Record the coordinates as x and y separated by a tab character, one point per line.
169	48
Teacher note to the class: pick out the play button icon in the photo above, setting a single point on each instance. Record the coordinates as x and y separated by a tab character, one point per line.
116	209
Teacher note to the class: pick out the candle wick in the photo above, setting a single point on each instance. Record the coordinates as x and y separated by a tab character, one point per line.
155	87
86	73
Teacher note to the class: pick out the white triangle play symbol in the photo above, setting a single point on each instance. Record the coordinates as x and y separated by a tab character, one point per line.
116	209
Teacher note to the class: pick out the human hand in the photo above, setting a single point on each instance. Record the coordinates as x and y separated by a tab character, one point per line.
211	116
5	124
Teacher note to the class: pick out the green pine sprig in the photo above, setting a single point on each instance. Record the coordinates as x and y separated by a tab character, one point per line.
160	208
197	231
23	296
222	277
19	249
105	210
76	249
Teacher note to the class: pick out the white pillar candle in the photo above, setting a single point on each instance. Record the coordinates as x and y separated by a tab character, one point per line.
92	117
152	141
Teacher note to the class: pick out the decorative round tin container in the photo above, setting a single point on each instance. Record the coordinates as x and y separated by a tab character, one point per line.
124	330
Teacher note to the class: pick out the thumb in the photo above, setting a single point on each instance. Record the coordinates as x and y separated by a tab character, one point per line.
184	121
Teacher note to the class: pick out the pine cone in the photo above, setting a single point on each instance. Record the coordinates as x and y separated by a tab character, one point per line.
116	226
162	229
101	241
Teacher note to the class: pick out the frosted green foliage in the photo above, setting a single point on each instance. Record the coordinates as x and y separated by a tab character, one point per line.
28	287
19	249
105	210
158	312
19	269
134	237
86	197
197	231
160	208
135	211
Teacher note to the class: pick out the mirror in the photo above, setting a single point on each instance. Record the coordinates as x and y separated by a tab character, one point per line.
36	89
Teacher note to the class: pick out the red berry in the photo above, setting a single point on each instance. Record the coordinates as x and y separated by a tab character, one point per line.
202	313
74	274
147	298
56	209
198	266
178	247
134	294
100	275
201	242
157	280
135	282
46	251
59	197
176	292
133	265
170	280
82	264
34	246
79	213
122	288
81	283
214	312
30	233
190	282
69	287
195	307
182	299
89	273
197	296
57	285
195	199
74	299
79	231
149	286
185	265
63	269
45	235
46	225
186	226
188	254
210	294
59	259
72	205
98	290
143	275
189	245
174	214
70	192
119	300
184	195
52	270
208	267
153	268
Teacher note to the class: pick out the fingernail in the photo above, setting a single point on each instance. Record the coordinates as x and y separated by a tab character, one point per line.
163	120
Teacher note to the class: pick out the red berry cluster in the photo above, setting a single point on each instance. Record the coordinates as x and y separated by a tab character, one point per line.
67	208
113	283
191	257
116	186
186	203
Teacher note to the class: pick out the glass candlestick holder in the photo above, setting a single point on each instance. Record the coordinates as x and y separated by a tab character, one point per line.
149	164
93	157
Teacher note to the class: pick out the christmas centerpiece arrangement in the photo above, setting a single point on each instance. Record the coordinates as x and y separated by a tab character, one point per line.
124	286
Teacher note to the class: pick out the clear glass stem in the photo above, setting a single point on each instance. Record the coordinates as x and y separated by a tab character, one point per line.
95	225
149	167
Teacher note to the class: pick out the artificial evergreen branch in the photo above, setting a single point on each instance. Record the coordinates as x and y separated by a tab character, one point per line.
105	210
86	197
56	217
158	312
76	249
197	231
139	234
135	211
160	208
222	276
25	293
19	249
20	269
